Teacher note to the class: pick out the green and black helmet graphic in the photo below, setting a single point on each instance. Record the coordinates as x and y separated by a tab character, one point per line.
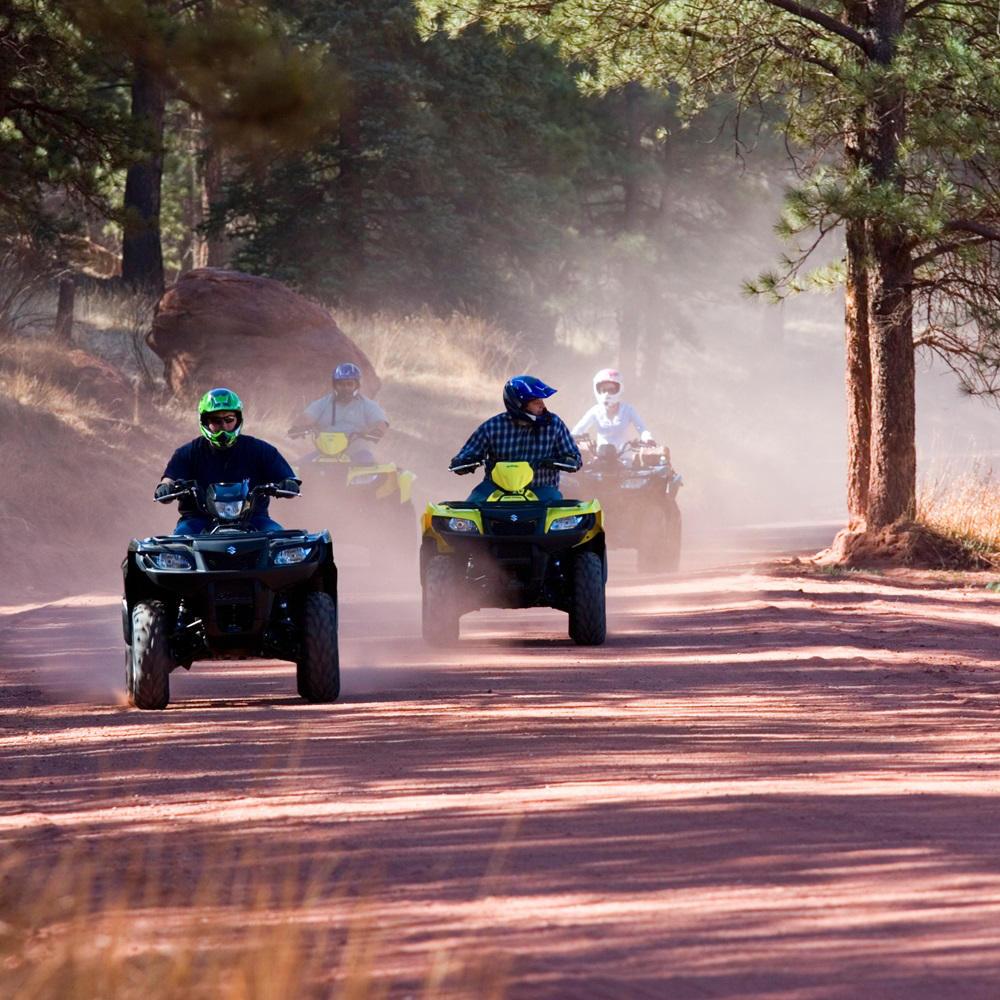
220	401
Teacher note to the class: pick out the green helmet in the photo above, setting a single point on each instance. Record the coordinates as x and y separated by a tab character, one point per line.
220	401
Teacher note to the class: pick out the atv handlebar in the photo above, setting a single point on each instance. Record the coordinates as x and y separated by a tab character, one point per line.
182	488
188	487
562	464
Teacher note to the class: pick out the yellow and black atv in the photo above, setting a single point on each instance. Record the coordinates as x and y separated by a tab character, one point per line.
363	497
513	551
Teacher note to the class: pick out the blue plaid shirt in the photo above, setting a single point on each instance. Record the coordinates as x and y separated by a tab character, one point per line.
504	439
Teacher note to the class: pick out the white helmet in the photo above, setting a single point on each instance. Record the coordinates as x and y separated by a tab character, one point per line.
608	375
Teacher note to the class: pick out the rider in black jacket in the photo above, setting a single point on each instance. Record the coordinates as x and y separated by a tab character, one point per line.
223	455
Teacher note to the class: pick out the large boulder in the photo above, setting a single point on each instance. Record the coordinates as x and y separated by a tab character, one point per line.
217	327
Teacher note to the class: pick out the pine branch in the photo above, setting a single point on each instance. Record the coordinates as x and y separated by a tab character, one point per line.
831	24
946	248
918	7
971	226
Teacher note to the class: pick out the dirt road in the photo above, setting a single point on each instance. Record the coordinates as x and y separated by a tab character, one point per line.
764	785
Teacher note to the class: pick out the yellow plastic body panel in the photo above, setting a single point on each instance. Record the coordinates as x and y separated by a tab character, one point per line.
443	510
406	485
512	477
498	496
594	507
331	443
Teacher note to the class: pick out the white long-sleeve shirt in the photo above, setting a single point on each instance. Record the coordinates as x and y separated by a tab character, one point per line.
610	428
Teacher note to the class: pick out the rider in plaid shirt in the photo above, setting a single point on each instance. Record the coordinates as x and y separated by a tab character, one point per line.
525	432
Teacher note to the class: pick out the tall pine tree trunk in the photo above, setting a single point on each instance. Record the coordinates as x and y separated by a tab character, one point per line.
859	376
892	486
142	251
217	246
857	345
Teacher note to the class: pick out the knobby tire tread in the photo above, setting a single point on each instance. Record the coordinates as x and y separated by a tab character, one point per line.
438	615
318	671
151	659
587	616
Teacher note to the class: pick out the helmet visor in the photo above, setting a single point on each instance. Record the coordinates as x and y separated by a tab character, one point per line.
220	421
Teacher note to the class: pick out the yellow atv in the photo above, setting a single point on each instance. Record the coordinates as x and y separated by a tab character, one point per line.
362	494
513	551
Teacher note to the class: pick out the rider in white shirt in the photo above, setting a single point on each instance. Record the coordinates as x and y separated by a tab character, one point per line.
610	420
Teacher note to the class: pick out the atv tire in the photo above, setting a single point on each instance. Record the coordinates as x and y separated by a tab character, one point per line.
587	617
439	612
317	671
148	663
661	548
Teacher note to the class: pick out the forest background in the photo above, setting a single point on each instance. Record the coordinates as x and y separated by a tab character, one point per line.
558	185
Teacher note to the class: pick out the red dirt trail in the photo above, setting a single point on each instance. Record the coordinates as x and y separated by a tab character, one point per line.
765	784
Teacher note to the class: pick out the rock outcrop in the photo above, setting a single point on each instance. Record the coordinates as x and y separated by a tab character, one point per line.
255	335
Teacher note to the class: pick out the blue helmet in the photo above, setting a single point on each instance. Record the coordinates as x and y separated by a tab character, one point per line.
522	389
346	372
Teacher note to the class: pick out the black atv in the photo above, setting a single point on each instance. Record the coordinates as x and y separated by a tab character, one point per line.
231	593
638	486
513	551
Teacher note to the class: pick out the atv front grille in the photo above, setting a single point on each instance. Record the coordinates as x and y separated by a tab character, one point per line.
240	561
234	604
505	526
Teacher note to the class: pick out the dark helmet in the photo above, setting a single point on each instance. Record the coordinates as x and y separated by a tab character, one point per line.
220	401
522	389
346	372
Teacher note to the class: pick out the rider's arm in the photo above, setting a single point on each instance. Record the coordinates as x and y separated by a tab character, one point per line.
583	425
273	467
474	450
376	431
565	446
638	424
376	423
180	465
309	417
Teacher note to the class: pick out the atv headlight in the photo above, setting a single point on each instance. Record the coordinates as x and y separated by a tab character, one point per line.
290	556
364	480
566	523
463	524
228	509
634	484
171	560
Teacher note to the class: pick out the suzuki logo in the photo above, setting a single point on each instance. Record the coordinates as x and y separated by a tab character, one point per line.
513	517
231	549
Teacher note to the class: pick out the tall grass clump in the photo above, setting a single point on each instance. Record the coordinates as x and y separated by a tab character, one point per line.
964	507
157	921
424	348
35	375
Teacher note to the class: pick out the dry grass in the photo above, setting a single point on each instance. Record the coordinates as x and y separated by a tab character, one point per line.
458	354
35	374
99	926
964	507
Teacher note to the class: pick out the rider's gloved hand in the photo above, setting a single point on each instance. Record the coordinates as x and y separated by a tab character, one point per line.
461	470
289	485
164	490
